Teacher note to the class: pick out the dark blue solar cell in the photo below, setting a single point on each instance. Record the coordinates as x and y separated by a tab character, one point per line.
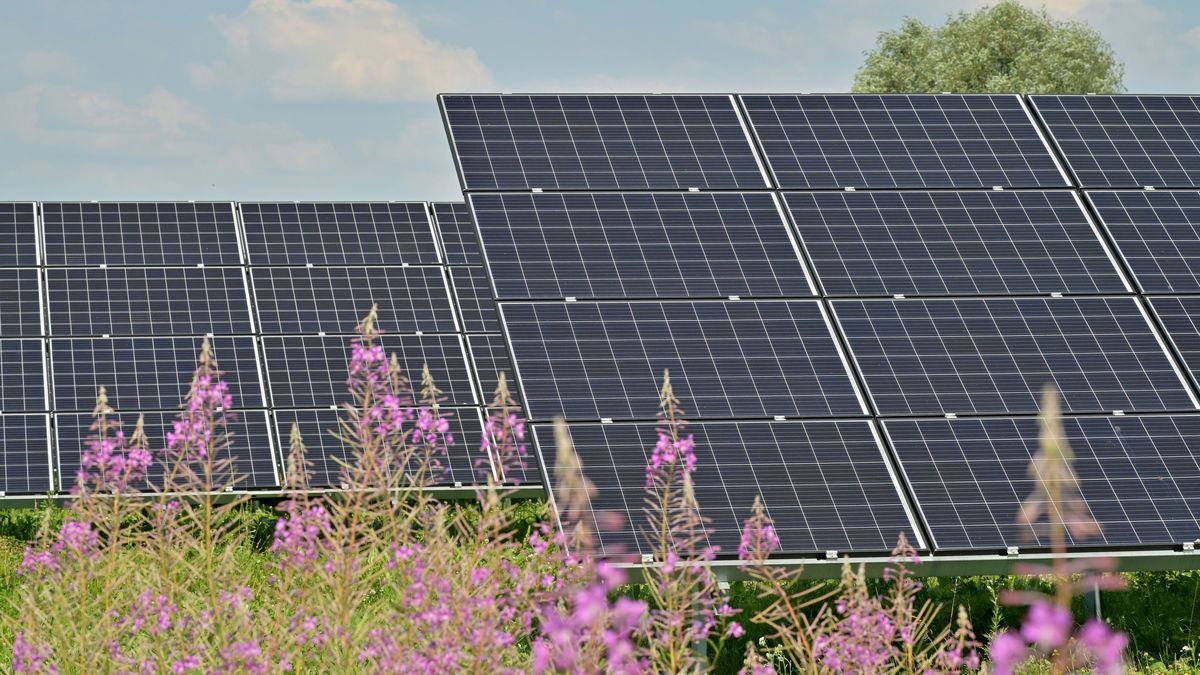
250	449
901	141
1126	141
590	361
25	454
22	376
598	142
825	484
639	245
147	373
18	234
1157	233
326	454
20	303
309	371
460	243
339	233
147	301
952	243
1180	317
1136	475
335	299
476	307
995	356
489	355
140	233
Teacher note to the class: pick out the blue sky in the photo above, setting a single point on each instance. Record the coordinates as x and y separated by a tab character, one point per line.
334	99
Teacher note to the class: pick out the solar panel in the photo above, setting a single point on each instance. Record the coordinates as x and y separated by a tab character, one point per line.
1126	141
334	299
630	245
325	453
147	373
590	361
1158	234
1180	317
20	302
22	376
18	234
474	296
309	371
1137	476
25	454
901	141
456	230
147	301
489	355
597	142
251	450
995	356
338	233
952	243
826	484
140	233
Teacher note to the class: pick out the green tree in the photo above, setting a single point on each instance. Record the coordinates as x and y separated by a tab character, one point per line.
1002	48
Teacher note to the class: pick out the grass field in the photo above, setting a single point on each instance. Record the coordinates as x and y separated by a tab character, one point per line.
1160	611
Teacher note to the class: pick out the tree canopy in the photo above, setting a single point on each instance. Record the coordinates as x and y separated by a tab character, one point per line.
1002	48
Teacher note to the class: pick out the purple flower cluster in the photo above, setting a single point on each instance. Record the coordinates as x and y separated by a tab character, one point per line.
76	540
111	463
668	451
301	536
503	443
200	428
29	657
588	631
1048	628
759	538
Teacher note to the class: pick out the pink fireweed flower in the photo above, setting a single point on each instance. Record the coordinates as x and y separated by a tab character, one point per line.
300	536
186	664
153	612
759	538
668	451
243	657
29	657
200	428
1106	646
504	444
588	627
1007	651
110	460
1048	625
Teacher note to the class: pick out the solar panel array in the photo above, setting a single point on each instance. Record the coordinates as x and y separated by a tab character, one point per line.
875	314
122	295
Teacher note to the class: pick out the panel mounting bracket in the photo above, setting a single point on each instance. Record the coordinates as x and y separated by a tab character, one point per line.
780	418
1148	187
998	188
849	188
693	189
647	558
1118	413
536	190
951	416
831	555
1012	551
1189	546
606	420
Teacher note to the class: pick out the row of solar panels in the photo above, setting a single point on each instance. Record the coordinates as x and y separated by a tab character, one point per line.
954	272
636	142
121	295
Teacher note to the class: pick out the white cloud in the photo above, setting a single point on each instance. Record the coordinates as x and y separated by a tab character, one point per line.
160	126
40	64
352	49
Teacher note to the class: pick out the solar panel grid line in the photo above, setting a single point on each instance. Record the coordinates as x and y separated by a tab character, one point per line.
23	384
824	483
1002	148
1156	233
1174	355
19	235
759	156
473	299
693	142
338	233
903	488
639	245
1126	141
981	356
26	455
332	299
148	373
804	374
952	243
325	451
1135	473
456	233
144	301
252	446
1044	134
310	371
133	234
1175	317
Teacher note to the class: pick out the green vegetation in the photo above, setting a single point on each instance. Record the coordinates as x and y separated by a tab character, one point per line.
1160	611
1003	48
